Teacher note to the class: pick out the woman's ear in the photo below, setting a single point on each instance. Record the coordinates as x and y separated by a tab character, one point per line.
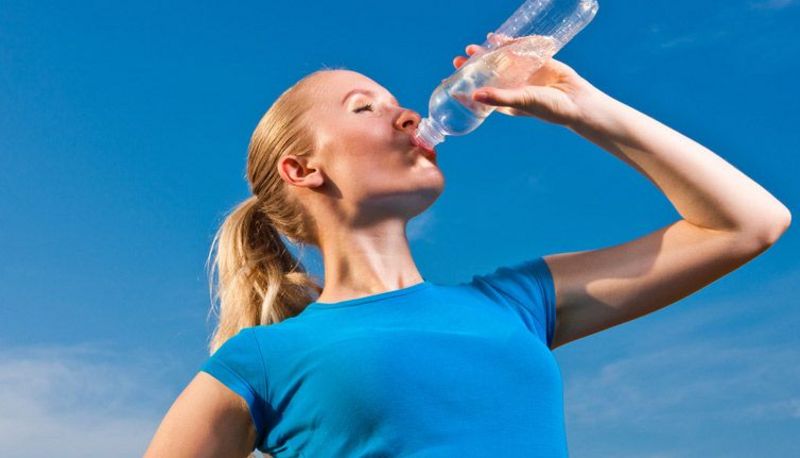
300	171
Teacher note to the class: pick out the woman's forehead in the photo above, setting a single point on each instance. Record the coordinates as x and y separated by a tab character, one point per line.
335	85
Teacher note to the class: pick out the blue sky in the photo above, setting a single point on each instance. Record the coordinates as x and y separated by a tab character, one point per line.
123	135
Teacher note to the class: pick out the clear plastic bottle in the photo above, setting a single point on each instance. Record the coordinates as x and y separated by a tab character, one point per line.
535	32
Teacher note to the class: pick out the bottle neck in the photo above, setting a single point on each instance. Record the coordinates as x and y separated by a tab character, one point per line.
429	133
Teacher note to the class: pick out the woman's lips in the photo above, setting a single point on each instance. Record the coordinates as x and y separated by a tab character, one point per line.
430	154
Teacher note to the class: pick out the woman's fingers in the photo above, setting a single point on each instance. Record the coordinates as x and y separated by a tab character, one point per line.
471	49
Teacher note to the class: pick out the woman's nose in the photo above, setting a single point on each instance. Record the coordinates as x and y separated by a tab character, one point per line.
407	120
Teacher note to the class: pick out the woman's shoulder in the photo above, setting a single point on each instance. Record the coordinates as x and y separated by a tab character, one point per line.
285	333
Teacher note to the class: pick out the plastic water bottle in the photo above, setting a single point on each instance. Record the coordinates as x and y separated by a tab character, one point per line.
535	32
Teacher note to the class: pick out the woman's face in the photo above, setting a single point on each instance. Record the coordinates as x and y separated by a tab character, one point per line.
364	157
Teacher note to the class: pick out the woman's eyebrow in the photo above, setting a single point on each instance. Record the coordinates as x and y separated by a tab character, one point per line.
364	91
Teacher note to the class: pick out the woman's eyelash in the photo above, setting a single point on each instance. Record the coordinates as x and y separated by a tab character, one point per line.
369	105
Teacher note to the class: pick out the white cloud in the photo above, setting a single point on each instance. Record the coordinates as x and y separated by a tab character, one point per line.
698	382
717	397
78	401
712	372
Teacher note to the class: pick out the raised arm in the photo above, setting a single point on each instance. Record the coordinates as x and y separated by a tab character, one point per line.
727	218
206	420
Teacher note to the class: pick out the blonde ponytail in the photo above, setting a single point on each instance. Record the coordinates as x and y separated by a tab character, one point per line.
259	281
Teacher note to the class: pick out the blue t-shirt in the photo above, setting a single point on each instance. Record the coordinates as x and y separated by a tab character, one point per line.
428	370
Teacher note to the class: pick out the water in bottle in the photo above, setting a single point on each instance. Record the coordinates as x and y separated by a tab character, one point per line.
534	33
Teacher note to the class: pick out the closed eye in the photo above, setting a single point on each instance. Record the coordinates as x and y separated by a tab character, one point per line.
359	109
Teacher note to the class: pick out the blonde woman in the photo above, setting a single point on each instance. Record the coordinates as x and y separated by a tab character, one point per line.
381	361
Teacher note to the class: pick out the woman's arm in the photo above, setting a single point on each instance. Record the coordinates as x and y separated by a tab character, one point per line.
728	219
706	190
206	420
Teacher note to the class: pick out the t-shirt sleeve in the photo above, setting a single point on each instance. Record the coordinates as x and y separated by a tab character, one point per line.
238	365
527	288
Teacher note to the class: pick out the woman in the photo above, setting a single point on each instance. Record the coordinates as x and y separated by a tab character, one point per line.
385	363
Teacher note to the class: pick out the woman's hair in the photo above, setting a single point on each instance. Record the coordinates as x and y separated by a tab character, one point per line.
259	281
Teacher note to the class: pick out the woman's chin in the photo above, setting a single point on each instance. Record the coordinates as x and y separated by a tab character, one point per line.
425	162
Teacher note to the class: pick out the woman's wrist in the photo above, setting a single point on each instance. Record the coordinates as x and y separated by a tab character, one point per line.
599	114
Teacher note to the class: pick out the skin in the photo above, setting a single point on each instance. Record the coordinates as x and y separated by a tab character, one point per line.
726	220
207	420
363	183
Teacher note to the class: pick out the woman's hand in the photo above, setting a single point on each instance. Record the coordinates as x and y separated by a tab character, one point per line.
554	93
